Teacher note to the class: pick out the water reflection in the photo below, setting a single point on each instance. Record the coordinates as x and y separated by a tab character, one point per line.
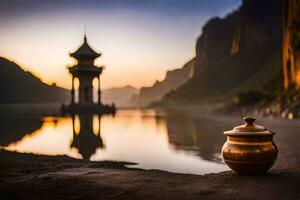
14	126
86	137
201	136
153	139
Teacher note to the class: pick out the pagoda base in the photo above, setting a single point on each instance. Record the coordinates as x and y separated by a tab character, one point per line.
90	109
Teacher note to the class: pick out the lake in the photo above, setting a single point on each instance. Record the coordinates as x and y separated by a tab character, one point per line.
154	139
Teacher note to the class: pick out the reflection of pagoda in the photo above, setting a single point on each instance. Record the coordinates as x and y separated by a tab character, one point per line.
85	140
86	72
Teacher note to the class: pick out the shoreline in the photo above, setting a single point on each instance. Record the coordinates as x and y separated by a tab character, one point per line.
28	176
210	109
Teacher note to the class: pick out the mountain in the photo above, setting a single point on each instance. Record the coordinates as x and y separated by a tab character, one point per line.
19	86
172	81
291	44
119	96
238	53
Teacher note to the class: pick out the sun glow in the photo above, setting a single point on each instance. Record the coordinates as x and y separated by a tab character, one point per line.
139	42
129	50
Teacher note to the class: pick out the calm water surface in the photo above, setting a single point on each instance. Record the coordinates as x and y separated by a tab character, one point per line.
153	139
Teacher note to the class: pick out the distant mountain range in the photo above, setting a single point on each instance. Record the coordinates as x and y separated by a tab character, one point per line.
19	86
238	53
174	79
120	96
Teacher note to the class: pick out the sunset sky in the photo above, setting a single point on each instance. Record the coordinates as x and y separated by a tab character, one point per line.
139	39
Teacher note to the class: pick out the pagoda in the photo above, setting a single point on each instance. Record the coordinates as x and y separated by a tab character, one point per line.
85	70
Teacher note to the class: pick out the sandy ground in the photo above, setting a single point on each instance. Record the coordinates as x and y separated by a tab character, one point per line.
26	176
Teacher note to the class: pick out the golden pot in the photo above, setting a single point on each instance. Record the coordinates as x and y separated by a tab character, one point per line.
249	148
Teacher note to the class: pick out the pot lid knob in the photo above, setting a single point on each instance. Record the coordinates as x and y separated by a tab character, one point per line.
249	121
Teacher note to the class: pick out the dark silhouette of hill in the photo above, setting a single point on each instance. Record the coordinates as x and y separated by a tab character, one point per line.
19	86
238	53
174	79
120	96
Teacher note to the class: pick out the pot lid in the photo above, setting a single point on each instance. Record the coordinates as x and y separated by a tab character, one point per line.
249	128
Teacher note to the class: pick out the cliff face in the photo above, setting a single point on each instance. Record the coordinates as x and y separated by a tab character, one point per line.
291	44
19	86
173	80
236	53
215	42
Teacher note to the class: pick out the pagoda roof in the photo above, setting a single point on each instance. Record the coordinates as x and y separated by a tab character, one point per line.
85	50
